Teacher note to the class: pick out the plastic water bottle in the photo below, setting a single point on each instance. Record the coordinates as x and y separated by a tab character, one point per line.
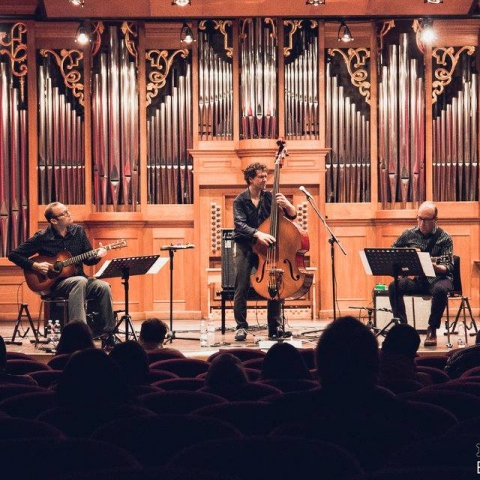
57	330
49	331
210	331
203	334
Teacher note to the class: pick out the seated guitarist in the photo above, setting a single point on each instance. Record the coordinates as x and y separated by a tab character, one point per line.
64	235
427	236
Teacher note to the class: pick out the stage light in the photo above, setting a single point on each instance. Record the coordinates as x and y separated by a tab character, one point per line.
82	36
427	34
186	34
344	34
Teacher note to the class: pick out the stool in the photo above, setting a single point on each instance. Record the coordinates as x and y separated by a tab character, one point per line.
23	313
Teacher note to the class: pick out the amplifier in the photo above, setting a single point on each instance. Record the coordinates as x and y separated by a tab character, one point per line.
417	309
228	254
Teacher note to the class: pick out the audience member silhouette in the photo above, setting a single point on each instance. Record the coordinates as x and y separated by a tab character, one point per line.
152	334
347	361
76	335
132	360
397	359
463	359
226	372
92	380
6	378
284	362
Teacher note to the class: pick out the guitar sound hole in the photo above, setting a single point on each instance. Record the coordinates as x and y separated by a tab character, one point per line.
57	267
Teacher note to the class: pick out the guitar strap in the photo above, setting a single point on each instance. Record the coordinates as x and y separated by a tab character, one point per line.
433	240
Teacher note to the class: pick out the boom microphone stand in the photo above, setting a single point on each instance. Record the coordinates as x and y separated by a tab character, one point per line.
332	241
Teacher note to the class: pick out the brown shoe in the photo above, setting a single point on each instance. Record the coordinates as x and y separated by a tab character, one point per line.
431	340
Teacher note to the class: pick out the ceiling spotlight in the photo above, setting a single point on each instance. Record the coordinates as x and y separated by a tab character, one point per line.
181	3
82	36
344	34
186	35
77	3
315	3
427	34
436	2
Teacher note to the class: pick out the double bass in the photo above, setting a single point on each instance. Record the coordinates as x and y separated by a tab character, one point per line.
281	272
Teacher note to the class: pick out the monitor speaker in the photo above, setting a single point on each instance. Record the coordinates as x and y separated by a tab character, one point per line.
228	254
417	308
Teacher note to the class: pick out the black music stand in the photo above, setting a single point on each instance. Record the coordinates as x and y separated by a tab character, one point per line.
171	251
393	262
125	268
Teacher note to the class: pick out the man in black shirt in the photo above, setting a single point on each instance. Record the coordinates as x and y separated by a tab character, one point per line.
427	236
63	235
250	209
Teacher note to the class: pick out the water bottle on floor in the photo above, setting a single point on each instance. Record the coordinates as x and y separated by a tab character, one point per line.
203	334
211	331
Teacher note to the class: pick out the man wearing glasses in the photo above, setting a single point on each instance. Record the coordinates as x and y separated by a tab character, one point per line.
60	235
426	237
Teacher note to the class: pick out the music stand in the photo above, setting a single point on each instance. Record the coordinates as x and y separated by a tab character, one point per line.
125	268
396	262
171	251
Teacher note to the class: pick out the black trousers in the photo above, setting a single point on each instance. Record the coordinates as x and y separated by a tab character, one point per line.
245	262
410	286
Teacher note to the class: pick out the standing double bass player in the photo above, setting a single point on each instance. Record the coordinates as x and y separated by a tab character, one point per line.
250	209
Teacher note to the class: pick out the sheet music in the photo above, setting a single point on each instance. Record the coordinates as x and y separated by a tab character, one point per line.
365	263
424	258
426	263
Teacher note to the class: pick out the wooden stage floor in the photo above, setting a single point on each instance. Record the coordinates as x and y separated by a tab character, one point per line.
305	335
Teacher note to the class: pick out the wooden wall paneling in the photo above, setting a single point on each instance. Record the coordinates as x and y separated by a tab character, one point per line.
108	232
185	275
353	285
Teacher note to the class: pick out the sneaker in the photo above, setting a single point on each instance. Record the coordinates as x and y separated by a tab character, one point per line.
280	335
240	335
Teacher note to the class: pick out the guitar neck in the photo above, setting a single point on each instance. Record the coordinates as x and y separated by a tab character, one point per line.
84	256
81	258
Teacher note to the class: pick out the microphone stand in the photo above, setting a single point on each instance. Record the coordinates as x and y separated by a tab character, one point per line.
171	251
332	241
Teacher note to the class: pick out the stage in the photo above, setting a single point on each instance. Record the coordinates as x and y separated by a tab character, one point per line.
305	334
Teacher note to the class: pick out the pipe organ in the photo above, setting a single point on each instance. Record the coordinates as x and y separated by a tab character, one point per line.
455	125
14	187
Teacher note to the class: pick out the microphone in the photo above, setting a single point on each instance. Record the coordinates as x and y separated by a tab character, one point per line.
305	191
178	246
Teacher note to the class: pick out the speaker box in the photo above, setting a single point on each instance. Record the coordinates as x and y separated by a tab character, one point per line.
417	309
228	254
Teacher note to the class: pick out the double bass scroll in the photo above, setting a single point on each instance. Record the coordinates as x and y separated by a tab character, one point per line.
281	272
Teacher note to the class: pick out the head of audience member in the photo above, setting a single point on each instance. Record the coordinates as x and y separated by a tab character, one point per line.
3	355
132	360
92	380
76	335
347	356
284	362
226	370
401	340
153	333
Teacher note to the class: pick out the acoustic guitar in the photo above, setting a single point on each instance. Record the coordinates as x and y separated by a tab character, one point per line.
62	266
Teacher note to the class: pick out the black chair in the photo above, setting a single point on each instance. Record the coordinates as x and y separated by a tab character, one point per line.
155	440
464	306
